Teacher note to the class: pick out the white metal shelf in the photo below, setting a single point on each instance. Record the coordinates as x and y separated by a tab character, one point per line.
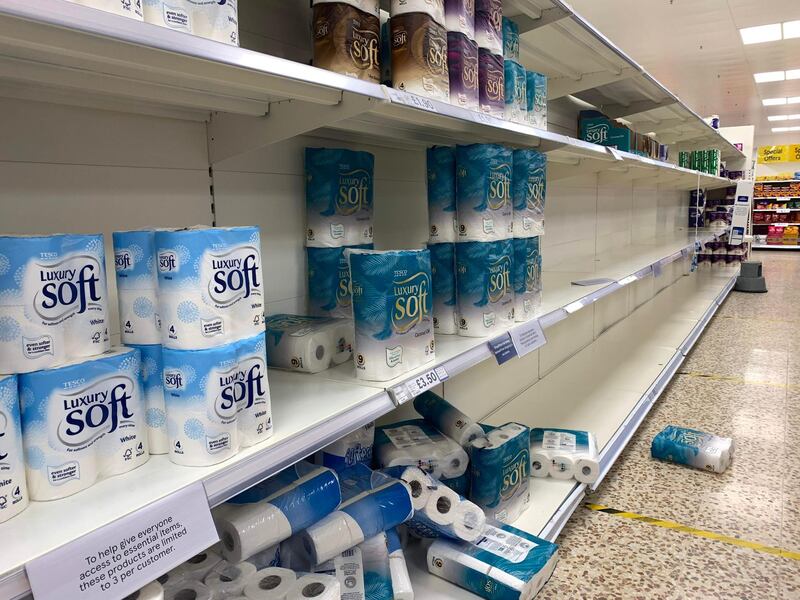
779	181
781	198
774	209
776	247
781	224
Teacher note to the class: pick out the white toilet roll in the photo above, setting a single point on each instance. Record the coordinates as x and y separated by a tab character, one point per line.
13	489
415	443
137	286
562	466
447	418
540	463
172	14
194	569
152	591
308	344
446	513
693	448
253	398
125	8
272	583
227	579
316	587
420	483
343	338
188	589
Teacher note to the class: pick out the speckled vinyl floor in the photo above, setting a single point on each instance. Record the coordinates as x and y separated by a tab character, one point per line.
741	380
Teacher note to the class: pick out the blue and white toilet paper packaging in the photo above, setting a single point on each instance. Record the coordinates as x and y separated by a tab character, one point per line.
449	515
441	168
354	448
510	39
329	292
12	462
82	422
564	454
53	300
308	344
693	448
393	312
483	192
505	564
228	579
270	583
529	191
153	392
500	472
443	272
415	443
527	278
339	192
137	286
516	100
447	418
364	571
211	286
484	272
250	527
401	581
536	90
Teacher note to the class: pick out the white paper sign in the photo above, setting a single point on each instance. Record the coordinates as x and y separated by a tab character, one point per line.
421	383
528	337
114	561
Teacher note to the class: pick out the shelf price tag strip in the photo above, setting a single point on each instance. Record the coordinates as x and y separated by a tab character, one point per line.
124	556
412	388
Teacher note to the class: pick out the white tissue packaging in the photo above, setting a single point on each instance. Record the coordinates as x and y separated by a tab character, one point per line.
443	272
317	586
53	300
272	583
252	393
447	418
401	581
505	564
483	192
228	579
308	344
13	490
529	190
153	390
441	171
484	274
415	443
393	312
125	8
354	448
137	286
564	454
82	422
693	448
211	287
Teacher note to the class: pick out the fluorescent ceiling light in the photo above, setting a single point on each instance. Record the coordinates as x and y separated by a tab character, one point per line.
793	100
791	29
778	118
794	117
780	129
773	101
760	34
793	74
769	76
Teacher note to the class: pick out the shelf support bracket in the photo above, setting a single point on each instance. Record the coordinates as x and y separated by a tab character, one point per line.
564	86
615	111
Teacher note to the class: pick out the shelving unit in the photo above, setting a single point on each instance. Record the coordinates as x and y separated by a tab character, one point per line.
775	247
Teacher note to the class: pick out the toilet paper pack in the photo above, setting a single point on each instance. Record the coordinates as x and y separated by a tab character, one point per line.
124	8
83	422
216	20
515	98
693	448
13	489
251	391
484	175
491	83
433	8
401	582
347	38
308	344
153	390
447	418
228	579
462	66
172	14
53	300
564	454
536	90
459	17
529	191
317	585
137	286
484	272
443	271
416	443
441	171
211	286
271	583
363	571
446	514
354	448
393	312
329	293
419	56
339	193
527	278
489	25
510	40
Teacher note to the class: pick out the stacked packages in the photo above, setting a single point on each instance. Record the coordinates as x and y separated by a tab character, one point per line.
564	454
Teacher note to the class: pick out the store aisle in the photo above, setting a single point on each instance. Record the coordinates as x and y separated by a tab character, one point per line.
741	380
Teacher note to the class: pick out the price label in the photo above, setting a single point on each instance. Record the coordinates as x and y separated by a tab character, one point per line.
641	273
412	100
657	269
574	307
124	556
503	348
628	279
409	390
528	337
783	210
685	252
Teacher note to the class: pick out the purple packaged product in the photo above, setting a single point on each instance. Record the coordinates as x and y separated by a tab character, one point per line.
462	62
491	83
459	16
489	25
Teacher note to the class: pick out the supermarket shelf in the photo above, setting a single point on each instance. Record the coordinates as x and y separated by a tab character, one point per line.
774	209
781	224
779	181
775	247
779	198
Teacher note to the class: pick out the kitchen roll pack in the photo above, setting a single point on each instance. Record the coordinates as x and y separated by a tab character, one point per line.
515	97
13	489
393	312
564	454
308	344
462	66
536	90
443	272
137	286
447	514
347	38
489	25
499	472
354	448
483	192
506	563
82	422
527	278
693	448
528	191
419	54
459	17
210	286
447	418
484	272
441	170
339	193
329	292
152	369
401	582
53	300
416	443
491	83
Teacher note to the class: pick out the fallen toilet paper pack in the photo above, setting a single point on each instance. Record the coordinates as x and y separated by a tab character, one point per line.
447	418
416	443
693	448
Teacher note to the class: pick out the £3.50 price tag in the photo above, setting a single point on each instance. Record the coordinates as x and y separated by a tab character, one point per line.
400	97
409	390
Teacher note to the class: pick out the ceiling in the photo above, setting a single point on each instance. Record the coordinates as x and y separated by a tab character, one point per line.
694	48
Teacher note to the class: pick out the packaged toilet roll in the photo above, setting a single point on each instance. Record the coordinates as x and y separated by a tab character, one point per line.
447	418
484	175
152	591
462	66
536	90
393	312
53	300
460	485
489	25
194	569
354	448
13	489
416	443
250	388
564	454
364	571
199	390
515	97
443	272
124	8
527	278
216	20
339	192
401	581
272	583
432	8
499	472
484	272
419	56
693	448
137	286
505	562
529	190
82	422
347	38
386	49
420	483
153	390
188	589
172	14
441	170
227	579
459	17
510	40
491	83
316	586
308	344
248	528
329	292
210	286
449	515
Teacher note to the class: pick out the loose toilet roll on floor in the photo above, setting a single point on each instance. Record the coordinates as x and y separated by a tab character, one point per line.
459	16
515	98
489	25
484	272
354	448
441	171
12	462
483	192
693	448
347	38
137	286
401	582
317	587
443	272
447	418
462	67
529	190
419	56
564	454
416	443
228	579
527	278
272	583
152	591
420	483
329	282
188	589
491	83
153	390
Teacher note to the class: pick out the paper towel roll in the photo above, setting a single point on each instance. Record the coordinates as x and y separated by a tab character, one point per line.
215	20
441	170
491	83
272	583
433	8
529	192
419	56
693	448
416	443
152	591
459	16
536	90
443	271
153	390
510	39
137	286
447	418
353	448
13	489
228	579
172	14
132	9
485	291
188	589
392	309
515	98
462	67
74	435
251	392
489	25
401	582
483	192
318	587
347	40
339	192
527	278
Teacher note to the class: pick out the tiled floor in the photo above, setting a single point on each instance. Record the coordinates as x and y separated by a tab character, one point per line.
753	342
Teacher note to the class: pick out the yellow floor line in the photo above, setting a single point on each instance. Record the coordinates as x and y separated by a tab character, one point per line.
710	535
738	380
